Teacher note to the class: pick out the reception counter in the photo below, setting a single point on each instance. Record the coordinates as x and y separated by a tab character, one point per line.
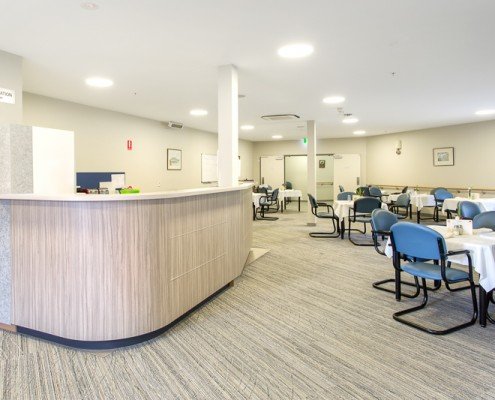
103	271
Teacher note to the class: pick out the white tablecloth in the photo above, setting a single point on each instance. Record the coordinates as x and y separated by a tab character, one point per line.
341	208
282	194
256	199
485	204
482	250
422	200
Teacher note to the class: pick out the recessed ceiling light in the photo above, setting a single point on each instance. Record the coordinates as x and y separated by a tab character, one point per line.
198	112
334	100
360	132
247	127
277	137
90	6
485	112
99	82
296	50
350	120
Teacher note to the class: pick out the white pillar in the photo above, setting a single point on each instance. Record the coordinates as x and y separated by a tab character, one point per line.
10	88
228	126
311	126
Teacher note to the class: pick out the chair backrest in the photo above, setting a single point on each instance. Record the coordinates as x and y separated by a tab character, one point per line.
484	220
313	203
375	191
344	195
341	189
417	241
366	204
382	220
403	200
275	195
288	185
468	209
433	191
441	194
405	189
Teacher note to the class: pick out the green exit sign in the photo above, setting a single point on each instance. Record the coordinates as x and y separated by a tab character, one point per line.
305	140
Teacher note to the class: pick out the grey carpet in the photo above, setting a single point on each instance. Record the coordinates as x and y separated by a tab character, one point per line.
303	322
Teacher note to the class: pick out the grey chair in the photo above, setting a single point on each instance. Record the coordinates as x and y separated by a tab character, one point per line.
328	214
484	220
361	212
375	191
468	209
267	201
402	202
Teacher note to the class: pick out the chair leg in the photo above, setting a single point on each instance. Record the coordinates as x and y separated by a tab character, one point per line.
378	285
372	243
334	234
398	315
262	215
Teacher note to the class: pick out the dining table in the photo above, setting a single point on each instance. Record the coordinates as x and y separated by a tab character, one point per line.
485	204
481	246
287	194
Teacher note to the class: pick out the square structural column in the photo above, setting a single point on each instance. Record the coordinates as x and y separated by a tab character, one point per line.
311	180
228	126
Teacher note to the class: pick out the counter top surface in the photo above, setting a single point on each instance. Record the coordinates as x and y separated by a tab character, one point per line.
124	197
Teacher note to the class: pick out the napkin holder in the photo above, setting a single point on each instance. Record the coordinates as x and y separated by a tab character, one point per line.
465	224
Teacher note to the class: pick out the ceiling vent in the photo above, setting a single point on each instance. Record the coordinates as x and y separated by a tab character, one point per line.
280	117
175	125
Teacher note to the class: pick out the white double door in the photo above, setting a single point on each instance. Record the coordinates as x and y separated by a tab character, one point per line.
331	171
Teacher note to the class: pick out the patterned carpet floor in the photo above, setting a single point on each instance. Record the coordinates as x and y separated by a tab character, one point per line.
302	322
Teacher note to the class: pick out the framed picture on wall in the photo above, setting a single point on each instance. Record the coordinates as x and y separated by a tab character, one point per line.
322	163
174	159
443	156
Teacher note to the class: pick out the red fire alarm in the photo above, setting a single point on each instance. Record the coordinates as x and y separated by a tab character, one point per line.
129	145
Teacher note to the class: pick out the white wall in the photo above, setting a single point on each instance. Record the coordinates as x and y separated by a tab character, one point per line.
101	137
11	78
474	146
323	146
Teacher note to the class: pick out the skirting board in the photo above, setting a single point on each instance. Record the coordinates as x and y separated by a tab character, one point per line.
254	254
7	327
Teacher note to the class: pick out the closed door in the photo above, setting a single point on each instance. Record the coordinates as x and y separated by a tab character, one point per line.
324	177
272	170
347	172
296	172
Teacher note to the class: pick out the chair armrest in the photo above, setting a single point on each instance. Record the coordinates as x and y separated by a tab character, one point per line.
455	253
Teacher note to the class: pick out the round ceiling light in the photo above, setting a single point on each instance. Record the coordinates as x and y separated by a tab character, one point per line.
197	112
98	82
485	112
350	120
90	6
247	127
360	132
334	100
296	50
277	137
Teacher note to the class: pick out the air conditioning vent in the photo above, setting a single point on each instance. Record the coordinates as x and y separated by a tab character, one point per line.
281	117
175	125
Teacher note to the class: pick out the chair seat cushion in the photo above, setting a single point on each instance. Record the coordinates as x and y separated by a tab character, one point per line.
432	271
363	218
325	215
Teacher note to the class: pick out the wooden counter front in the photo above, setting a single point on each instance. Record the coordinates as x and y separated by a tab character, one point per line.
107	270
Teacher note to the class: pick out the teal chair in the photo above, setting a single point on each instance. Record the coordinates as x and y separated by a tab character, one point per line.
418	242
468	209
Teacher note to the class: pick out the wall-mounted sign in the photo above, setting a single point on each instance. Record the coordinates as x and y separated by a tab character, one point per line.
7	96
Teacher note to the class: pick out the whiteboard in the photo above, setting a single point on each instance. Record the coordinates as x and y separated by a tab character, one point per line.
209	168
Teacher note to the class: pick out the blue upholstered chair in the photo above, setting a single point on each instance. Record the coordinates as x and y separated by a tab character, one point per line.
345	195
361	212
402	202
413	241
375	191
441	194
485	220
381	223
328	214
468	209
